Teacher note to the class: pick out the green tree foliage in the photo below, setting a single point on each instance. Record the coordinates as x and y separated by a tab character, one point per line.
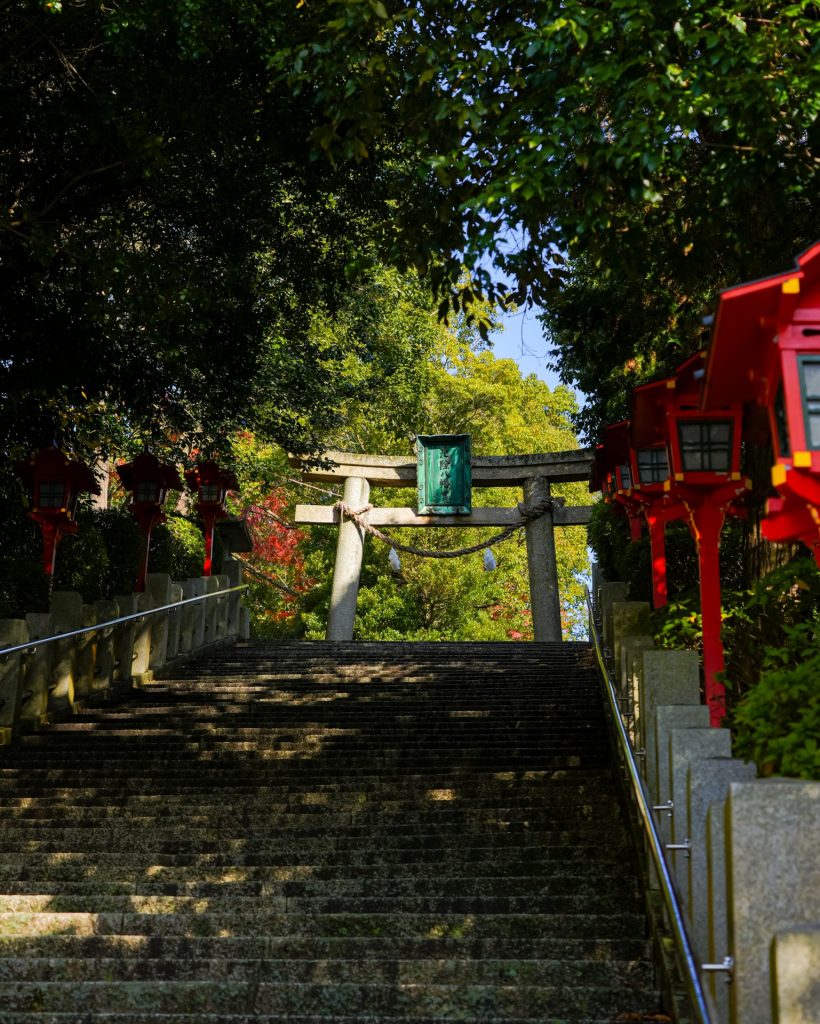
166	240
633	156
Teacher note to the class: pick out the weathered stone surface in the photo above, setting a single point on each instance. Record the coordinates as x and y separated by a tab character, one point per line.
718	922
174	622
796	976
66	614
666	677
667	718
608	594
222	607
105	655
141	671
123	639
158	588
34	708
196	588
12	632
629	618
708	784
632	648
211	609
232	568
545	601
347	568
686	748
773	835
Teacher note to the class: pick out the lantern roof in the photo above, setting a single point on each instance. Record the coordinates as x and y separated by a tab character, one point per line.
747	319
51	462
148	467
209	471
613	452
653	402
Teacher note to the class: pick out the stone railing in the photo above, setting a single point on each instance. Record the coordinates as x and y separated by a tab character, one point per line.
743	851
51	681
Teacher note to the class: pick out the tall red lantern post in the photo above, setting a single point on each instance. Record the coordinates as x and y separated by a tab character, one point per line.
54	483
211	485
705	478
766	353
648	435
149	482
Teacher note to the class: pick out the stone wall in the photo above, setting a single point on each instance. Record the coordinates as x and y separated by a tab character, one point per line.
52	681
743	851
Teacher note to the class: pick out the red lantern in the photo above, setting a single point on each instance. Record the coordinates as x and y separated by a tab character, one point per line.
766	354
212	485
54	483
149	482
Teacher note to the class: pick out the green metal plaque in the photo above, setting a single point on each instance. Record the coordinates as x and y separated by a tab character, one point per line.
444	475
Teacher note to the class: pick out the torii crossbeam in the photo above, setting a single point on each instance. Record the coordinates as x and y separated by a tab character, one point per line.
534	473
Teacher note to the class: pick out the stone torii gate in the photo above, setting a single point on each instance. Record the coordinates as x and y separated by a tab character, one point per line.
533	473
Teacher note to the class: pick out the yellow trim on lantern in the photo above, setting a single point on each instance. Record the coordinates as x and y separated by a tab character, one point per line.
791	287
679	476
667	485
779	474
670	384
802	460
735	476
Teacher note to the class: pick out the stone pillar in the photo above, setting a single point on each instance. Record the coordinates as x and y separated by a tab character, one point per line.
34	704
244	623
708	784
105	663
667	718
124	638
632	651
687	747
223	582
195	587
773	872
796	975
66	614
668	677
143	634
608	594
158	586
347	570
718	926
174	623
211	586
233	570
12	632
86	656
629	618
545	601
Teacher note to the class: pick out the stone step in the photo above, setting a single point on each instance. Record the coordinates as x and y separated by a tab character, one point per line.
264	1018
401	1000
440	947
377	970
275	907
340	925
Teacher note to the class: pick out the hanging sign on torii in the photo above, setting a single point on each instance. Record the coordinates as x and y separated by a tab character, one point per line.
444	472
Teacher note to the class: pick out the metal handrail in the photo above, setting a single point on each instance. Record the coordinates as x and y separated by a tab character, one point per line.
680	933
31	644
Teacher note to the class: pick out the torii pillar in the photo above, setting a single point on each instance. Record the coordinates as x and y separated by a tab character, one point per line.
545	602
348	569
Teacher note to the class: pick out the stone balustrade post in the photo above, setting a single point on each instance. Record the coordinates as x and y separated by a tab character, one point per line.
39	667
608	594
667	677
123	640
632	651
629	618
233	570
196	588
211	610
141	672
12	632
707	784
717	923
66	615
186	620
85	656
796	975
174	623
669	717
222	607
158	587
106	658
773	874
686	748
244	623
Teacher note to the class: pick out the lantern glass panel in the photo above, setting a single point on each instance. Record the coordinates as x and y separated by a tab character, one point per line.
706	446
52	493
147	491
810	384
626	477
783	441
653	465
209	492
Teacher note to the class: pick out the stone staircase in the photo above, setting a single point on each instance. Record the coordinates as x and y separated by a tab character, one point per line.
326	833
